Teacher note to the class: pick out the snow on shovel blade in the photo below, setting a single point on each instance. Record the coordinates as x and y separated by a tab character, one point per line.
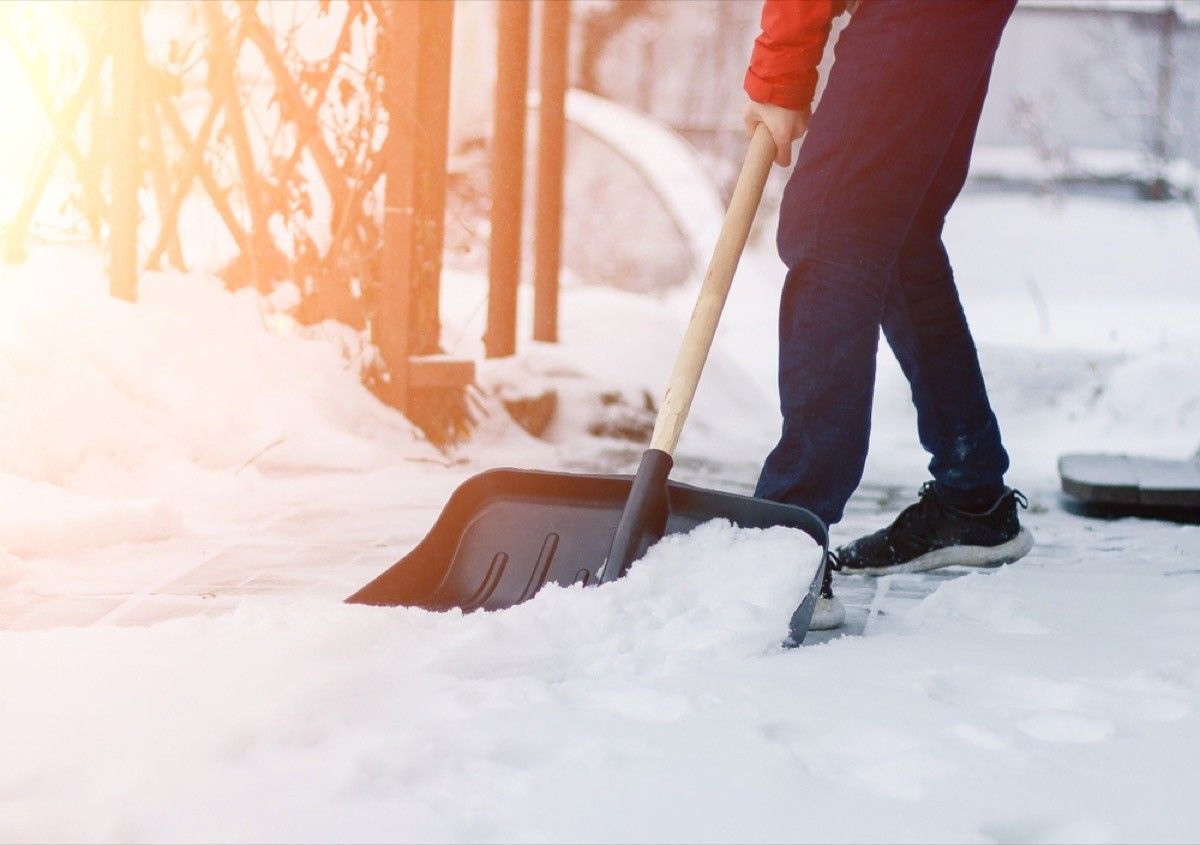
505	533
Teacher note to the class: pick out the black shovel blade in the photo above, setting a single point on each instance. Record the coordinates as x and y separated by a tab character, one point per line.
505	533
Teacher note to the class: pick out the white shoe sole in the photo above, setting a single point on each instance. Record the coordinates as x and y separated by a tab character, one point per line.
976	556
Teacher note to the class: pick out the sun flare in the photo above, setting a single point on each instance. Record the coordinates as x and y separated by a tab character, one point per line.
44	52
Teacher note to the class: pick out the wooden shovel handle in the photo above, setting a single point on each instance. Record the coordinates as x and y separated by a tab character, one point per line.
713	292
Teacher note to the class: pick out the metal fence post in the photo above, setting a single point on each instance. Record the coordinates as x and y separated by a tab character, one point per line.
125	19
507	176
391	324
433	127
552	130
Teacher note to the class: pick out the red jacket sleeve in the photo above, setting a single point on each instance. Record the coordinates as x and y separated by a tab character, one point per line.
783	65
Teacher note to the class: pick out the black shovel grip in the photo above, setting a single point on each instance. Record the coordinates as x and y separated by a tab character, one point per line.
644	519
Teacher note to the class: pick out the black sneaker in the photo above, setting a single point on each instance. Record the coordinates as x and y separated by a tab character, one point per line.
829	613
930	535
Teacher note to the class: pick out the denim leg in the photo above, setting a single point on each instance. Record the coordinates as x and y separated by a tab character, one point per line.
924	324
905	76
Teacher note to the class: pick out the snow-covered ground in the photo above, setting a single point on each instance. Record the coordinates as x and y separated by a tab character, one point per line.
191	485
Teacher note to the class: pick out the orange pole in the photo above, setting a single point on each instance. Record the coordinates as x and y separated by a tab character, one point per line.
391	325
507	178
552	134
125	19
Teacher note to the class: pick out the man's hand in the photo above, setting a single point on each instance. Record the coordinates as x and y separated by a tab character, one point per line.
784	125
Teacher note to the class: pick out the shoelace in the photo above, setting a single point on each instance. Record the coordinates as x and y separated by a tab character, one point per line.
832	564
913	517
1016	495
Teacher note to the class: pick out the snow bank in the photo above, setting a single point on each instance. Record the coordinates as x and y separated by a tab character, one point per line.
1023	164
658	708
106	401
622	344
664	159
1075	271
319	721
103	396
1085	312
41	518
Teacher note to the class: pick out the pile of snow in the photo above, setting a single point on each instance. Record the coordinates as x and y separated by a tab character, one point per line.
664	159
1024	165
108	406
658	708
1084	309
617	343
1076	272
375	723
42	518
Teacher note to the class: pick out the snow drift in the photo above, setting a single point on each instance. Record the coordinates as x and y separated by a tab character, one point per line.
381	723
108	405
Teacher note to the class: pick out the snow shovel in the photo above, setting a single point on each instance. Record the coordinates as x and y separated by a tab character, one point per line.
507	532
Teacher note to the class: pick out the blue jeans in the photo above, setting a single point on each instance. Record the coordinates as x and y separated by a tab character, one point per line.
860	231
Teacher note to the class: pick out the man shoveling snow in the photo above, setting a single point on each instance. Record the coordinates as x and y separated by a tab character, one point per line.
860	227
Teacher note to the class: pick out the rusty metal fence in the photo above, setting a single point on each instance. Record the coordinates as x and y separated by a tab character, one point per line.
323	164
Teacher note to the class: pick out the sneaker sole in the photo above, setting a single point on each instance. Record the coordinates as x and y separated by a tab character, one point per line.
979	557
